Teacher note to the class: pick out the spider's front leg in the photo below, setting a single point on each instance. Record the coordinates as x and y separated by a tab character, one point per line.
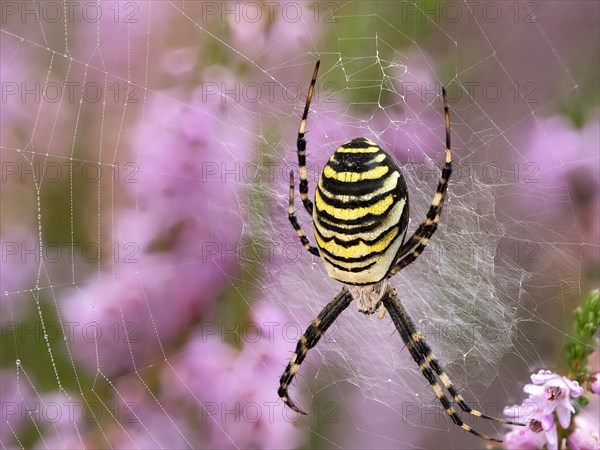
301	143
421	236
309	339
294	220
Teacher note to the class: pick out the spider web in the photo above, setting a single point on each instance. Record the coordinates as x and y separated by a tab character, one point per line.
153	287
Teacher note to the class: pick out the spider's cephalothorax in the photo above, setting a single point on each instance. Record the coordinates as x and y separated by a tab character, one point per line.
360	219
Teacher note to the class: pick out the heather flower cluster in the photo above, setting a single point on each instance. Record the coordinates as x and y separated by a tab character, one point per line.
549	404
557	412
171	229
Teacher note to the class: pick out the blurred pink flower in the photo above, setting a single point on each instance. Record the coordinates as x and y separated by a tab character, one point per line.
178	246
585	434
278	35
65	439
595	383
566	173
561	151
36	106
17	399
146	420
235	392
119	324
115	43
180	61
62	418
415	129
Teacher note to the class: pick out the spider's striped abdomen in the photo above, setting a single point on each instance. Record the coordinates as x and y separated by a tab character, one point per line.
361	212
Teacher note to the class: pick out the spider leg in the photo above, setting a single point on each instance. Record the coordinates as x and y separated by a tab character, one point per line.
423	356
301	145
309	339
422	235
436	366
295	223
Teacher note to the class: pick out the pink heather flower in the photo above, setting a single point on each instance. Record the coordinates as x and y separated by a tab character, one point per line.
549	392
61	417
121	322
567	160
17	397
553	392
179	61
535	435
178	245
65	439
549	428
231	396
561	151
145	421
416	128
526	411
278	36
540	429
37	122
595	383
585	435
116	43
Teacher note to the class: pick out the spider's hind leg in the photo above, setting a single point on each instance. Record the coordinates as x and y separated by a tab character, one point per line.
309	339
423	356
459	400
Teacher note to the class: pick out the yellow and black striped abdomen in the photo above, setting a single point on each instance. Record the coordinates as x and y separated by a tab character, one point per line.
361	212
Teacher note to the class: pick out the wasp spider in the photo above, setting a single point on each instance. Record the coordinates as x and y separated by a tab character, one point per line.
360	217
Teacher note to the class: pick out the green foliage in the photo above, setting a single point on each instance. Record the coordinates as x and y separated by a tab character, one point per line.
583	342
